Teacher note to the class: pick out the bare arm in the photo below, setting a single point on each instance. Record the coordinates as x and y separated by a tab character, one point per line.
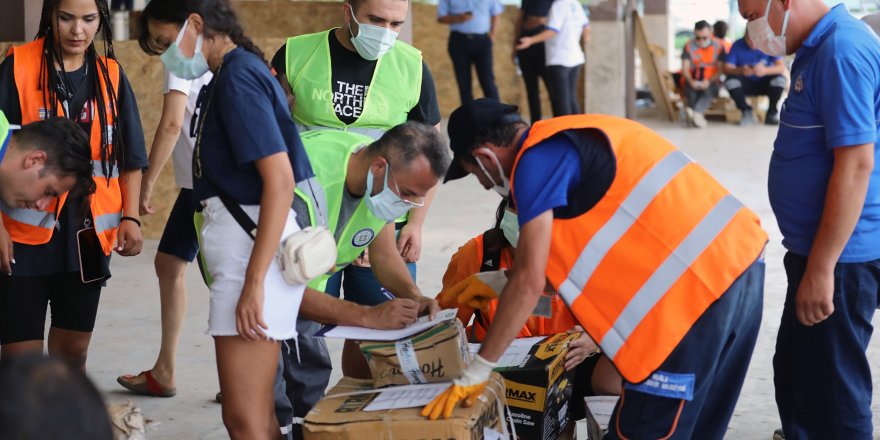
525	283
321	307
389	267
545	35
844	201
585	37
455	18
778	68
493	26
129	238
167	133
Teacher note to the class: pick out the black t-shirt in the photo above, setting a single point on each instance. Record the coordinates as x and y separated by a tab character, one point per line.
60	253
351	79
536	8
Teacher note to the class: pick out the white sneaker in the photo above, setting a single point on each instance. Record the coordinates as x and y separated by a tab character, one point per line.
689	116
700	120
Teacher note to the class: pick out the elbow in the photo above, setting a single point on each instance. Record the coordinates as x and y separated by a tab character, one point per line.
171	128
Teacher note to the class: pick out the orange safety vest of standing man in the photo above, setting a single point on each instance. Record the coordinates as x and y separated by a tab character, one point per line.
36	226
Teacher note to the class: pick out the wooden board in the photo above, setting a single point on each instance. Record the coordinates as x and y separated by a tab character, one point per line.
651	67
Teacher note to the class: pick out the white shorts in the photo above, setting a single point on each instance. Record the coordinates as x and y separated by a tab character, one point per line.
226	250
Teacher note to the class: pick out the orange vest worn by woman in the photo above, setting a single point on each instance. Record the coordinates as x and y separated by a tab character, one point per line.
664	243
35	226
473	257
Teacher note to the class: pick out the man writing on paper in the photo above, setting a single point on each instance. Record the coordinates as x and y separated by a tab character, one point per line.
659	264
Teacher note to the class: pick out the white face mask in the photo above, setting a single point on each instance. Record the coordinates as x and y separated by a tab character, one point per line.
371	41
179	64
386	205
504	187
510	227
762	35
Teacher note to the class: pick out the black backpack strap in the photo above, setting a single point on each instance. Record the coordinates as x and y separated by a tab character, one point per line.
234	208
491	261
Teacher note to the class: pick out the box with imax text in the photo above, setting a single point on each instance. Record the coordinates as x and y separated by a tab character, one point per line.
538	387
354	410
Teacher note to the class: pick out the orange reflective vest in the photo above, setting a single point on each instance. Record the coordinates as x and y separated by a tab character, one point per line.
472	258
665	242
35	226
704	60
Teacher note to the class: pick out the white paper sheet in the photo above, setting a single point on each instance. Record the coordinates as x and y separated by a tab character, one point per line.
516	354
406	396
368	334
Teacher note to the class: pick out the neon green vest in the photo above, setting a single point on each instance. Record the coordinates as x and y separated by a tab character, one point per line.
394	89
329	152
5	135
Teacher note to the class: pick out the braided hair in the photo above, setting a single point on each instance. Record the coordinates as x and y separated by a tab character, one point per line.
218	15
51	80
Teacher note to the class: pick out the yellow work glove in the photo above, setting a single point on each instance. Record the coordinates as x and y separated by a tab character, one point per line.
465	389
477	290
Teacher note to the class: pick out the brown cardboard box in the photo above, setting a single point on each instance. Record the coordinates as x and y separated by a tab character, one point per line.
438	354
341	416
539	388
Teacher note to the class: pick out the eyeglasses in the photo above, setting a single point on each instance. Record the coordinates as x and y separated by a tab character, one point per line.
402	201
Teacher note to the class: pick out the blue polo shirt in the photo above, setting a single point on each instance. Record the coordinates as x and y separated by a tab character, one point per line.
742	55
482	10
834	102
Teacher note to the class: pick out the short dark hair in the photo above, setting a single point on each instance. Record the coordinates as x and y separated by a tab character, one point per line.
357	3
501	133
46	398
68	151
702	24
719	29
410	140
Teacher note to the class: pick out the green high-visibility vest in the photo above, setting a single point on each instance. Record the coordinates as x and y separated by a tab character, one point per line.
5	135
329	152
394	89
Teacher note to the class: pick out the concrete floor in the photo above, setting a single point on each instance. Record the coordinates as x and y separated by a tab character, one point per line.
126	339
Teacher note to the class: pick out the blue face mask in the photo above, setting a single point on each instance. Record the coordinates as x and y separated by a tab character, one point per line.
181	66
387	205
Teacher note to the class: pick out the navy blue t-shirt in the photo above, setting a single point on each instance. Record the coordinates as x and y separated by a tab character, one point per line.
562	175
248	119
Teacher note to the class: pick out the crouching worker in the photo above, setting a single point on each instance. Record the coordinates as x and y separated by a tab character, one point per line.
38	163
490	254
657	261
367	185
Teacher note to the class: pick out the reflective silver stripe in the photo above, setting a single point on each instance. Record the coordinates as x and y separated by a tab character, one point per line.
32	217
107	221
98	170
374	133
669	273
622	219
315	190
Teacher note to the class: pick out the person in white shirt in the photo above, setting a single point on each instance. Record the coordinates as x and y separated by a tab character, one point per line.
175	137
567	34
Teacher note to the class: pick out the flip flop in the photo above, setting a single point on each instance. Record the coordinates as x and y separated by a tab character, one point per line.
150	387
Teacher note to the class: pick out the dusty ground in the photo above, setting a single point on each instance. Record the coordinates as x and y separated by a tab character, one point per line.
126	339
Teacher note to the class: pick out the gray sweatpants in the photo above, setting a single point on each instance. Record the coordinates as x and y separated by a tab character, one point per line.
300	381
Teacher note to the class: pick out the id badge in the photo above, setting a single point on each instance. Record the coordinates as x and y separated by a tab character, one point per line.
90	254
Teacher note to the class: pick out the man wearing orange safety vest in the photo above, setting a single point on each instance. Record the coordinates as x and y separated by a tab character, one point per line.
657	261
701	72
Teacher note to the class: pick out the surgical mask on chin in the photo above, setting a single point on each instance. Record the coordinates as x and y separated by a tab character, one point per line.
762	35
386	205
371	41
504	187
181	66
510	227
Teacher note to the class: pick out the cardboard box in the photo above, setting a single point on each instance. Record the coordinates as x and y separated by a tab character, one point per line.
341	416
598	412
438	354
539	388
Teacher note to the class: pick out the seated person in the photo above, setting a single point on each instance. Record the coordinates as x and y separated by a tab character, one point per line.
494	250
701	72
751	72
719	31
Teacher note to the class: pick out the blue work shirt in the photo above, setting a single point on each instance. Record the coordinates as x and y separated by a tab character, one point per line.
834	102
742	55
247	120
482	10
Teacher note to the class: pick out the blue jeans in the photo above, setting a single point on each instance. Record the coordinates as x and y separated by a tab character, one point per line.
716	352
821	373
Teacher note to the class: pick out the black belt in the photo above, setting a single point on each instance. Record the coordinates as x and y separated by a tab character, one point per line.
471	36
399	225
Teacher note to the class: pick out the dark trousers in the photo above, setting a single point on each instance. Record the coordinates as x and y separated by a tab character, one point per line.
821	373
468	50
562	86
301	379
531	63
716	351
700	100
740	87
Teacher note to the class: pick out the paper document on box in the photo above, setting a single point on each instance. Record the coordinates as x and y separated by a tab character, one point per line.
369	334
406	396
516	354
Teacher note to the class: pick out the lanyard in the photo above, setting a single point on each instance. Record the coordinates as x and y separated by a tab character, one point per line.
197	171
